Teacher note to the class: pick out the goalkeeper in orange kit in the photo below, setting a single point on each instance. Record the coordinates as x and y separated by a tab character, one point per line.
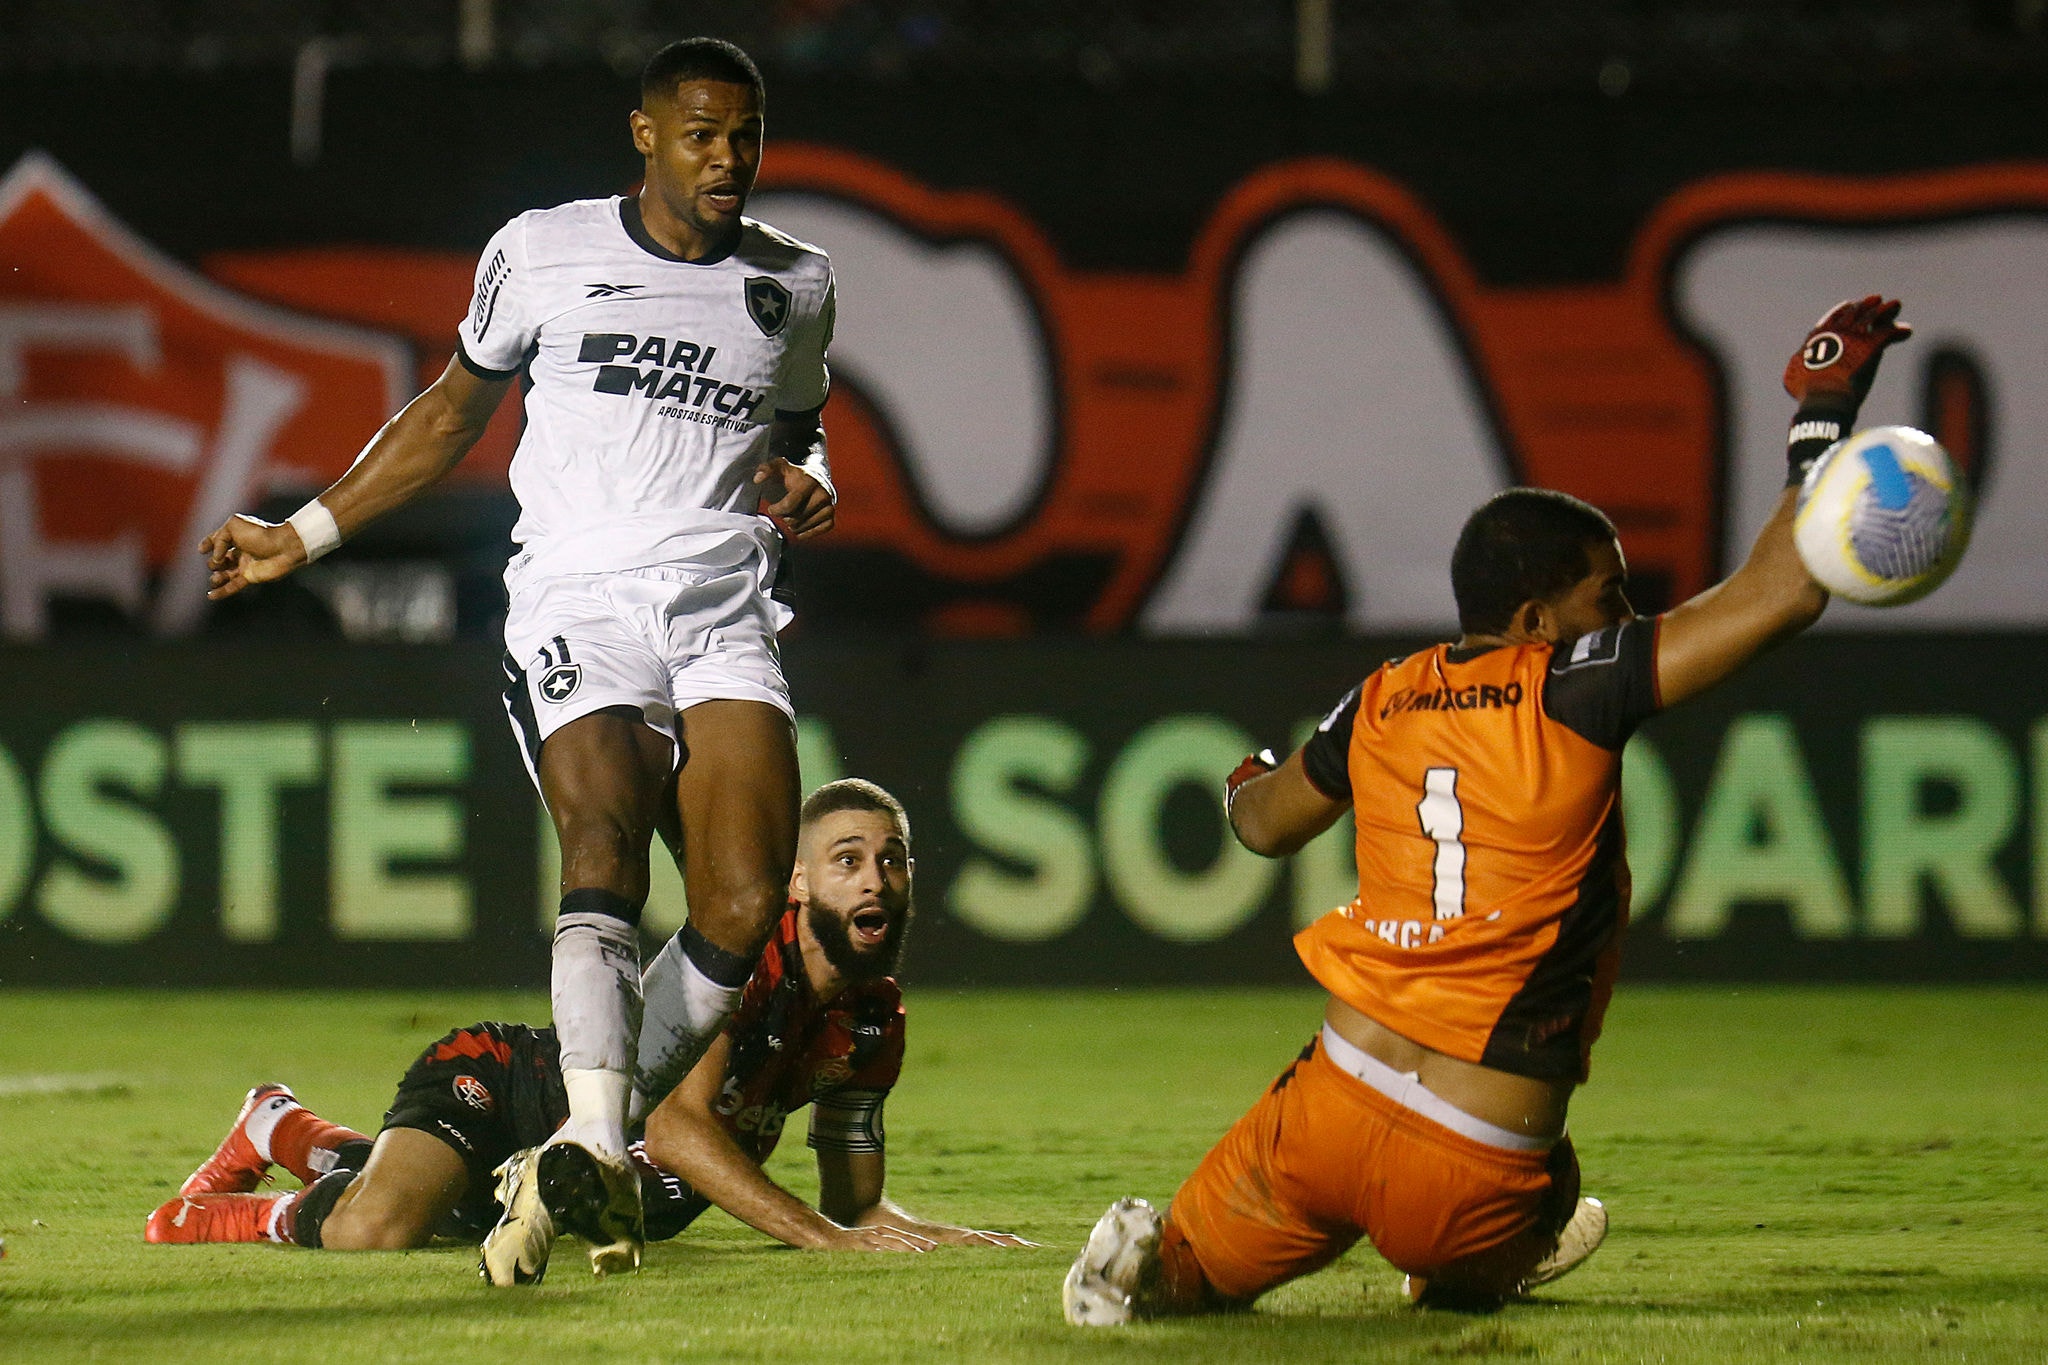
1469	978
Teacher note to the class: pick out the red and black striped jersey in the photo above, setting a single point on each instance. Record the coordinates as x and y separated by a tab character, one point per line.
790	1049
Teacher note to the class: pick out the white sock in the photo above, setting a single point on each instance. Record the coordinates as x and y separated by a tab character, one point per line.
685	1011
263	1122
273	1226
597	1110
596	993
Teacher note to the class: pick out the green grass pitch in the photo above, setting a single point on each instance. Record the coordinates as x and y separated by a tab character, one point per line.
1811	1175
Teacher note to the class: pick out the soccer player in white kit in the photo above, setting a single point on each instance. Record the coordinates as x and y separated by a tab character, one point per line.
675	353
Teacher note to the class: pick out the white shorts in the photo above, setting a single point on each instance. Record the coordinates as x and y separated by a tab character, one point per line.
659	640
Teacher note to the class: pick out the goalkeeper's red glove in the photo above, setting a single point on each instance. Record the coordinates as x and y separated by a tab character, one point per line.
1253	764
1832	373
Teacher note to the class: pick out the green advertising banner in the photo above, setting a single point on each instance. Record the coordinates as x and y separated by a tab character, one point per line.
1850	808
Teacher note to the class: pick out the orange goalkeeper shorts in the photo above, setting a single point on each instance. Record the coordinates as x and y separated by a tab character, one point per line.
1323	1158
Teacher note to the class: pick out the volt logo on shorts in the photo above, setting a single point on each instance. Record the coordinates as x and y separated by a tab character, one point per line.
460	1138
563	675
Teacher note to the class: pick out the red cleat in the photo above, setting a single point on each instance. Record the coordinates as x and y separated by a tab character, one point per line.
235	1167
217	1218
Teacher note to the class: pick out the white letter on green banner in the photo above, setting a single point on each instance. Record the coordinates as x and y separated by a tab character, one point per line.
1189	907
249	765
1046	838
86	760
1902	843
372	827
1760	786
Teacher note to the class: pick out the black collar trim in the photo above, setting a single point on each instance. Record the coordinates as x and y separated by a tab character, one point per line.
636	228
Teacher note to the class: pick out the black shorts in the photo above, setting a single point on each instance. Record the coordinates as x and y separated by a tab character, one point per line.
490	1090
668	1202
487	1090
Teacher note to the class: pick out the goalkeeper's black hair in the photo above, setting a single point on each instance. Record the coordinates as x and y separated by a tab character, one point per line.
855	793
699	59
1527	544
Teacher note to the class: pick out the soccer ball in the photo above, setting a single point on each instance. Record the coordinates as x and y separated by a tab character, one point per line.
1882	517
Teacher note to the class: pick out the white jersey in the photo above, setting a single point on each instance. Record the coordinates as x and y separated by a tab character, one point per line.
654	381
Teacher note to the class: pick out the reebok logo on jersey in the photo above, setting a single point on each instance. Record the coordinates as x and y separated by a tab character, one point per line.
1478	697
677	373
606	291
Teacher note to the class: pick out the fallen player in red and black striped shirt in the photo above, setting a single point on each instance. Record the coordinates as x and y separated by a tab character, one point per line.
820	1023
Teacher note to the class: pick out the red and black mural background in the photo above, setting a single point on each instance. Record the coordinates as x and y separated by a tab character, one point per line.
1149	363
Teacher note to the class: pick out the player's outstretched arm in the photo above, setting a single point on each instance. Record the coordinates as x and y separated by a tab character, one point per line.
796	483
684	1136
412	451
1703	640
850	1192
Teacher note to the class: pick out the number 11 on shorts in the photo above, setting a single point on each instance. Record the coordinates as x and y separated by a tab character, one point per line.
1443	820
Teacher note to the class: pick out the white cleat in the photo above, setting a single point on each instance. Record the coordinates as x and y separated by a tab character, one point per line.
1115	1268
1581	1238
596	1198
516	1250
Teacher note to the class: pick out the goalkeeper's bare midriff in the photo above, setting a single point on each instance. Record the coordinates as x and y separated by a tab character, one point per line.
1520	1104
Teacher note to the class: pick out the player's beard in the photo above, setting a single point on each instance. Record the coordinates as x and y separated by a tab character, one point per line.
712	226
851	961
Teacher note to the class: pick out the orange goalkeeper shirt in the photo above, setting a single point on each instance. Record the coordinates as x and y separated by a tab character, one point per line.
1492	886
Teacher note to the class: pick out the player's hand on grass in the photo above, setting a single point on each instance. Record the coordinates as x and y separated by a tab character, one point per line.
245	551
794	499
975	1237
875	1237
1837	362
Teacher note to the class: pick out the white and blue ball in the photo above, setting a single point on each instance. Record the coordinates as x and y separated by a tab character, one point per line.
1882	517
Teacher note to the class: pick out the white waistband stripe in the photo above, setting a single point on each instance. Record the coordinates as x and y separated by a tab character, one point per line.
1406	1089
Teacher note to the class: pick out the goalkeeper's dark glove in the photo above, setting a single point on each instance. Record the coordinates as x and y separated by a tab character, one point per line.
1833	371
1253	764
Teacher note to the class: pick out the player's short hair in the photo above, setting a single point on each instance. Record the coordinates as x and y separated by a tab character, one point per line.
699	59
1526	544
855	793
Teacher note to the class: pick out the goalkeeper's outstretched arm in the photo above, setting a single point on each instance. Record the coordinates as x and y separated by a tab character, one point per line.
1703	640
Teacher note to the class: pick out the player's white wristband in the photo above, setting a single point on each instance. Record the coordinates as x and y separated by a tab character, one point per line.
822	472
316	528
